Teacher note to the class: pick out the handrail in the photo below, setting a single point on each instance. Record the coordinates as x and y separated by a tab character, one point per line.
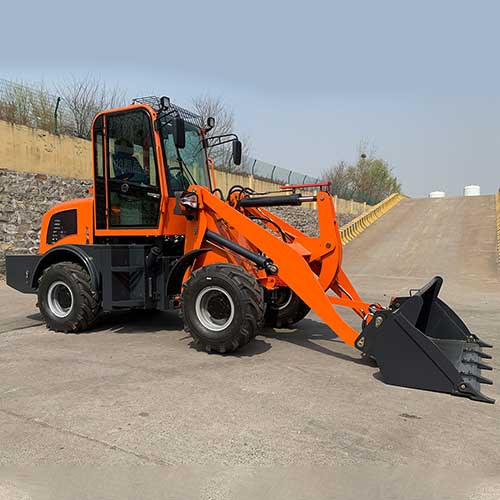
352	229
497	203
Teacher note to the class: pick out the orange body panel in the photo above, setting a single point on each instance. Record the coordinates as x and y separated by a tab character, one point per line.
85	224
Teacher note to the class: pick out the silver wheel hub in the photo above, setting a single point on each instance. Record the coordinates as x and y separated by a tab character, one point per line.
60	299
214	308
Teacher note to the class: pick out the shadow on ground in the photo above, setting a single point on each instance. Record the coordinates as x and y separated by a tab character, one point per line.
306	333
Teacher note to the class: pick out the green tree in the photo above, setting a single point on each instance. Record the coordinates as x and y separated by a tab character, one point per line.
369	180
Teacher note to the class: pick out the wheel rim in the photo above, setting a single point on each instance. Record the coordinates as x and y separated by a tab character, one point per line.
60	299
284	297
214	308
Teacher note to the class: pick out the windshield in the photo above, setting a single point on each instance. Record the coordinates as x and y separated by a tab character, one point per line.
188	165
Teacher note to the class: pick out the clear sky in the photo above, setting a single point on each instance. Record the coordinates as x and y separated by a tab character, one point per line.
308	80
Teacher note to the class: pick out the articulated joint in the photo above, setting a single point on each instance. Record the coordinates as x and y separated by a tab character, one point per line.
270	267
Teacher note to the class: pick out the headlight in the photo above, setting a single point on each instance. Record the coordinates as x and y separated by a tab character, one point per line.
189	200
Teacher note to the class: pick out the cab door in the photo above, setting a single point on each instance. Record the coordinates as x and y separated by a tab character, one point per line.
126	182
133	185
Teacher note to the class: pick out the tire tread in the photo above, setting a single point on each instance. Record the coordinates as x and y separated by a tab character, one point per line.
253	320
89	299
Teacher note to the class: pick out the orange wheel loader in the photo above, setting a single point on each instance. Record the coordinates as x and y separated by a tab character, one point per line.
158	234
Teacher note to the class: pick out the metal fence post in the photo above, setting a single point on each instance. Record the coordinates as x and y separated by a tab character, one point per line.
56	127
272	173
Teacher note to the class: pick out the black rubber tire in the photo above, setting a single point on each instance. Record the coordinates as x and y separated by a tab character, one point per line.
248	304
294	311
86	304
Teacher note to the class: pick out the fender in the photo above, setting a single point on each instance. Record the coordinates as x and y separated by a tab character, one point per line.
174	280
72	253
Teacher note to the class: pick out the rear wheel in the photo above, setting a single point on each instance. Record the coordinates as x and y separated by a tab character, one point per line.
222	307
288	308
66	298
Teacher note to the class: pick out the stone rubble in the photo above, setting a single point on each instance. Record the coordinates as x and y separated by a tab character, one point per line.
24	198
306	219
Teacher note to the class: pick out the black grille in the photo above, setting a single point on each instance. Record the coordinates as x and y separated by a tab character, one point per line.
61	224
185	114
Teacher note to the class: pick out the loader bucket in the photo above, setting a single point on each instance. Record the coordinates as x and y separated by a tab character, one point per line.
420	342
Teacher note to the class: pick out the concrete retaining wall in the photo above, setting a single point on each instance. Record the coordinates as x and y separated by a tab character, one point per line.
26	149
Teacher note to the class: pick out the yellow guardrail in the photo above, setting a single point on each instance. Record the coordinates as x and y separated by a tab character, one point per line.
497	202
359	224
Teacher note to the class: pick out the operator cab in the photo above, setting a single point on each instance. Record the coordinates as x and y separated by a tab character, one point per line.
144	154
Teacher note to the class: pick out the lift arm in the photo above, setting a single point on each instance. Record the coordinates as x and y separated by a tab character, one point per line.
293	268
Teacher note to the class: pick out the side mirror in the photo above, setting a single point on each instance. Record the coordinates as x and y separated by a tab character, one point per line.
210	123
179	132
237	152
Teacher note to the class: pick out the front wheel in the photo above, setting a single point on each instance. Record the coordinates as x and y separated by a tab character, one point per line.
223	307
66	299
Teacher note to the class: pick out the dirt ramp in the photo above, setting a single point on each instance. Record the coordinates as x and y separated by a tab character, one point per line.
423	237
420	238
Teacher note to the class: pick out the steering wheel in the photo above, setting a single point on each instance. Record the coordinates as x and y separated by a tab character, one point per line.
125	176
179	180
184	176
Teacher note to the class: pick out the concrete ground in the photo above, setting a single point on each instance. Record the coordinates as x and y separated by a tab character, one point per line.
133	392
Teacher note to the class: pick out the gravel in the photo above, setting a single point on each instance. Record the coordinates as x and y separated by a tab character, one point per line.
306	219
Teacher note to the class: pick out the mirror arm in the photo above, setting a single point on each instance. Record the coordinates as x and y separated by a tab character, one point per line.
218	140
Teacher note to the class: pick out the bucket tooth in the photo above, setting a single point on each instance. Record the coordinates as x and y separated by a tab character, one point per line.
471	390
484	355
476	340
482	366
482	380
481	343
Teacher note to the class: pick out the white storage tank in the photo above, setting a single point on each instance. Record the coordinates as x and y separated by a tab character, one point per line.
437	194
472	190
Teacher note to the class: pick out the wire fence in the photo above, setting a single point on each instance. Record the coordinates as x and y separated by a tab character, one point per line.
263	170
36	107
